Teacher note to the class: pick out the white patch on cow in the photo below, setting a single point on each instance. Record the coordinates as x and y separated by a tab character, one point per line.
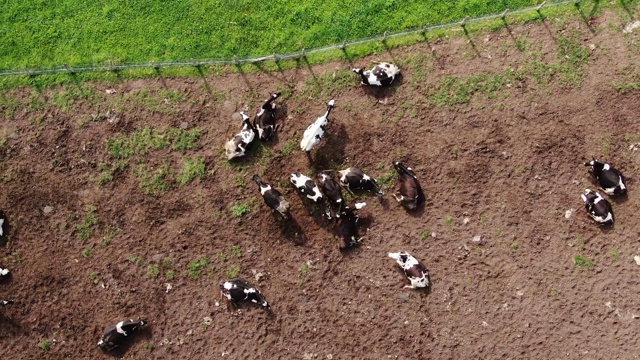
601	219
228	285
264	189
299	180
606	167
260	112
4	272
316	194
119	328
360	205
366	177
1	227
597	200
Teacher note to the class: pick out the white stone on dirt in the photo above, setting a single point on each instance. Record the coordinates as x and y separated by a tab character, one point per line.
476	238
433	235
168	287
466	220
631	26
637	259
207	320
47	210
569	213
634	147
110	91
184	125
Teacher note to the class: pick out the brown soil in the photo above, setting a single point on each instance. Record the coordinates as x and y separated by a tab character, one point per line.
510	164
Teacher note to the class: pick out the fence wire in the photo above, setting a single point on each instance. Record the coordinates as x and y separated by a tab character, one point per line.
277	57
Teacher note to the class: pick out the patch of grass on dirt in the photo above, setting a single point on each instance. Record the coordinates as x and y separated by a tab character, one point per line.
65	99
329	85
107	171
84	230
153	270
136	260
95	279
236	251
384	180
233	271
454	91
615	254
631	80
448	220
241	209
147	139
196	267
191	169
45	345
87	252
288	148
109	236
304	273
152	182
582	262
8	105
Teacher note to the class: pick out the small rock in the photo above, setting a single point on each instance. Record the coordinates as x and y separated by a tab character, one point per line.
476	238
190	332
47	210
519	292
157	258
592	46
110	91
634	147
168	287
433	235
637	259
207	320
403	296
14	135
184	125
485	324
569	213
236	117
466	220
538	177
631	26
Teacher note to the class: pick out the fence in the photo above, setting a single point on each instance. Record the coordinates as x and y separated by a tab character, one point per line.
276	57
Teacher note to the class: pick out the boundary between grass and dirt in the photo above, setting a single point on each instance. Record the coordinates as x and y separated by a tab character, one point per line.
276	62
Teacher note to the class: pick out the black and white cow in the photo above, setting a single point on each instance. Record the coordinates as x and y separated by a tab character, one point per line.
238	290
382	74
355	179
413	270
333	195
411	194
265	120
116	335
306	186
4	303
598	207
238	146
315	132
347	227
610	179
3	219
272	197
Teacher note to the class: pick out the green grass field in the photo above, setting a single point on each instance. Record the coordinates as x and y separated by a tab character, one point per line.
42	34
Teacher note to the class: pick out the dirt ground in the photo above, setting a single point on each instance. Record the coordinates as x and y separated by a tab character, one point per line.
505	167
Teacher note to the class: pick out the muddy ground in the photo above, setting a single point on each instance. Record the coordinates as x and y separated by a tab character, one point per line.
519	270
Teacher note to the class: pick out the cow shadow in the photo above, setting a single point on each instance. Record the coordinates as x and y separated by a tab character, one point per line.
290	229
144	334
381	92
331	153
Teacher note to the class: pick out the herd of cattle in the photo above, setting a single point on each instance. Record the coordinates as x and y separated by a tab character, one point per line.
328	195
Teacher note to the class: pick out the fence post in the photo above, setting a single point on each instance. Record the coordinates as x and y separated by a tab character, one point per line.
540	8
504	14
70	71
